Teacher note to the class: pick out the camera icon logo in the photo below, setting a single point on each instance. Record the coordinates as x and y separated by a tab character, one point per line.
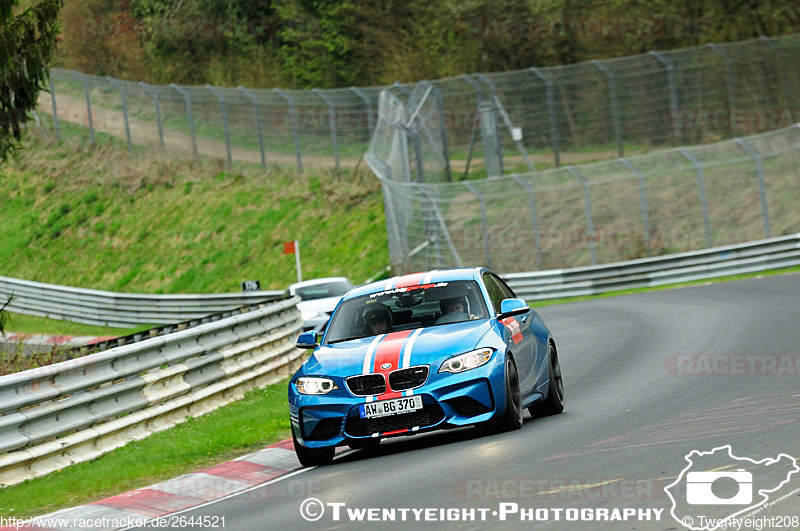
699	491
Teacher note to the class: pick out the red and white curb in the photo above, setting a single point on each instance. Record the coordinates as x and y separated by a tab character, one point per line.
181	493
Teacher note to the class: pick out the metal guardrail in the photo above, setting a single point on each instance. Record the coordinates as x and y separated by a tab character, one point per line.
76	410
106	308
774	253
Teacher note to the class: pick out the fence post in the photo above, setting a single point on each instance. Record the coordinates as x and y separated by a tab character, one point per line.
157	101
121	89
257	114
728	82
484	223
491	140
587	201
445	145
293	114
56	127
673	96
762	189
551	109
642	200
701	185
332	114
188	99
788	99
475	122
224	108
368	106
612	88
507	120
537	237
80	78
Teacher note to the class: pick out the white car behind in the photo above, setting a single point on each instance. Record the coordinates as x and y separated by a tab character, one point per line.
319	298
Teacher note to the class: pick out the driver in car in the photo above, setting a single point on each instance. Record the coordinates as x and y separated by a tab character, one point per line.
378	320
456	304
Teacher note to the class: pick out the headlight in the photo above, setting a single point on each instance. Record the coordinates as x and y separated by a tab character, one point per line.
465	362
309	314
315	386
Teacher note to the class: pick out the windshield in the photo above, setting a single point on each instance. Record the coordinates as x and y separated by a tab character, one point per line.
321	291
407	308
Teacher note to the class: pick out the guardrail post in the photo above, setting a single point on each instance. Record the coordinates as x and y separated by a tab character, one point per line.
642	201
762	189
728	82
368	106
83	81
188	99
701	185
587	201
612	88
537	237
785	79
56	127
332	115
257	114
121	89
157	102
673	96
551	110
224	109
484	222
293	114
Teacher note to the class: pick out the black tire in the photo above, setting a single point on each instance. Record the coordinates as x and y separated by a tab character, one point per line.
553	403
313	456
511	418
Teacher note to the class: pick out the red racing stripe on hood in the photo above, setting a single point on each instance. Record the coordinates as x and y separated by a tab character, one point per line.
387	358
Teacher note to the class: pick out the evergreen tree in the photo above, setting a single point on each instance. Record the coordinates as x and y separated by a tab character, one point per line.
27	40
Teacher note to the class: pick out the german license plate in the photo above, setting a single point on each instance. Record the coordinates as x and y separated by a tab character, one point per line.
395	406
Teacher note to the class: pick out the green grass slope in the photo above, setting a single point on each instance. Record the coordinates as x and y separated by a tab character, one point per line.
96	217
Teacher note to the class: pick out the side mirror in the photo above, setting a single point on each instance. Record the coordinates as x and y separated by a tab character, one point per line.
511	307
307	340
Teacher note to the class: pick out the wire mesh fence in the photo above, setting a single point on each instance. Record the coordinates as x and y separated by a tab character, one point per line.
670	201
587	111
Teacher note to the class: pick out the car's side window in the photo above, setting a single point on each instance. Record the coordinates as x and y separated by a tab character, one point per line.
495	291
508	293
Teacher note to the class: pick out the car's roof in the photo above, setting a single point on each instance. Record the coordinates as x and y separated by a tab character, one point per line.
317	281
416	279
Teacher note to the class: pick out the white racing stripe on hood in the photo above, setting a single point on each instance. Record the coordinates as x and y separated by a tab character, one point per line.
407	350
367	368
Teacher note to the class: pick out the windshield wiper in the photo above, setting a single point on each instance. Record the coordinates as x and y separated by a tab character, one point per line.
345	339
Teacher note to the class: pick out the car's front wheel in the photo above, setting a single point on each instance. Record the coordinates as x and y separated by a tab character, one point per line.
512	416
313	456
553	403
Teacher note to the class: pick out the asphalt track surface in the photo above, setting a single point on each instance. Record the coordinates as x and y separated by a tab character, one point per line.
634	411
